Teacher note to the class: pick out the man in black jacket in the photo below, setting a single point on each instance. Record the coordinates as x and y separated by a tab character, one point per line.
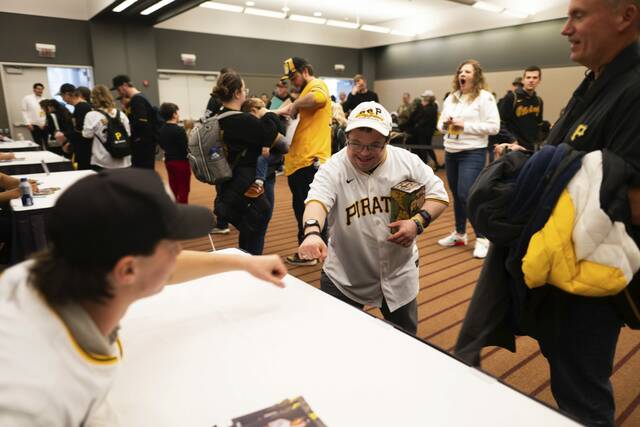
521	110
81	146
359	94
578	335
144	123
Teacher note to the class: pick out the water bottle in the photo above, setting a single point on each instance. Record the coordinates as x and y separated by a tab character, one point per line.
25	192
316	163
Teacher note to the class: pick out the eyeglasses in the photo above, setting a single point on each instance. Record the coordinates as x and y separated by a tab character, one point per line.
359	147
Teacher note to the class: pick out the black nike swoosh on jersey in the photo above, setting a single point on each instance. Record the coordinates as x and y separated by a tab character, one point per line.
349	180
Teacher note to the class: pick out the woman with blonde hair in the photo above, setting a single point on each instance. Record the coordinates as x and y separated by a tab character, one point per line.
95	126
469	116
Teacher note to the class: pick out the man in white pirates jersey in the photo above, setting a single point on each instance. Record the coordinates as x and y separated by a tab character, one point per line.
365	263
113	240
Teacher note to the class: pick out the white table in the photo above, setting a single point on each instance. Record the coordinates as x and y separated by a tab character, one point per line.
29	221
18	146
29	162
62	180
204	352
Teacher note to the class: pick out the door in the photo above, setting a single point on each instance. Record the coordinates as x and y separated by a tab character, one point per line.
190	92
18	82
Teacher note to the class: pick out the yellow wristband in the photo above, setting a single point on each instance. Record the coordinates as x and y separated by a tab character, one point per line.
418	217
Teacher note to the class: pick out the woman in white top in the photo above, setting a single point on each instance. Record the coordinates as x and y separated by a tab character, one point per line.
469	116
95	126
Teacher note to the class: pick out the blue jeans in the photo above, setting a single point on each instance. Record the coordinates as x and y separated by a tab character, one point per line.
262	165
462	170
253	241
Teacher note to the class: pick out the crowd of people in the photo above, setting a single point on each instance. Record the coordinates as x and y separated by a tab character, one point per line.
340	198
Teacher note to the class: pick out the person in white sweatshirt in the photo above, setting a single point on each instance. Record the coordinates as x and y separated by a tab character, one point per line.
469	116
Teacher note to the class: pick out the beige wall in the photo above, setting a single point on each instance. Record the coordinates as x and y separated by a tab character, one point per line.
556	88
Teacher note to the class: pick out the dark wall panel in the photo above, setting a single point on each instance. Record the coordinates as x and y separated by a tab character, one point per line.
247	55
125	49
20	33
500	49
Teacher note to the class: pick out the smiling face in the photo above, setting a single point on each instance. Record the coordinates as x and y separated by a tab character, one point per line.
366	148
594	30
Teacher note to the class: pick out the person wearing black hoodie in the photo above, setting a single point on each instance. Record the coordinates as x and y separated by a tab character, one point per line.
521	111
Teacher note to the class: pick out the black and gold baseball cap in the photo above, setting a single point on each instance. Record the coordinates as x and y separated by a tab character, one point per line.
293	65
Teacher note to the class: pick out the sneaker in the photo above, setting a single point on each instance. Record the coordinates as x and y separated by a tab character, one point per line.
453	239
216	230
296	260
254	191
482	247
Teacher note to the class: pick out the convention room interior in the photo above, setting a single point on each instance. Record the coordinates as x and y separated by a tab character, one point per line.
204	358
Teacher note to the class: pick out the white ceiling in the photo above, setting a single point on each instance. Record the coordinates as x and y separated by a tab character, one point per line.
426	18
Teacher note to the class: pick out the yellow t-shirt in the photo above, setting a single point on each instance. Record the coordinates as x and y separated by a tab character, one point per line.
313	134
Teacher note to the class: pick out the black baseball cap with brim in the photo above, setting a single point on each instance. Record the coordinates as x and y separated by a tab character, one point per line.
66	88
119	80
120	212
291	66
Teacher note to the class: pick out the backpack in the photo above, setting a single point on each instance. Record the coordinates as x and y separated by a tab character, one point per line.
117	138
207	152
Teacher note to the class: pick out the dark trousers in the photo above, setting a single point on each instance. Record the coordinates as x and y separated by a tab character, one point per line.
143	155
179	172
39	137
580	343
252	241
299	183
221	223
463	169
405	317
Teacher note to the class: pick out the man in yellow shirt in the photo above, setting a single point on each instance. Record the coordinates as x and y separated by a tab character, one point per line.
311	144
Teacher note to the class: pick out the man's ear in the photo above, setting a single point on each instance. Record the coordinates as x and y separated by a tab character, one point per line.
628	16
124	272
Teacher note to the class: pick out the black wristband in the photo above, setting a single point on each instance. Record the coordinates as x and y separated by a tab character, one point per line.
419	227
426	216
314	233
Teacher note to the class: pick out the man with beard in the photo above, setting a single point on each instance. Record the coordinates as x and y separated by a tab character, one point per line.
311	144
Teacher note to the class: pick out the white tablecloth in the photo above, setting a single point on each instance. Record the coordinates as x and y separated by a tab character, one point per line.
204	352
62	180
19	145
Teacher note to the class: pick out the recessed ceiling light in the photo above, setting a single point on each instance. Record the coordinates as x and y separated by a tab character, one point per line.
489	7
222	6
307	19
264	12
159	5
122	6
341	24
250	3
375	29
317	14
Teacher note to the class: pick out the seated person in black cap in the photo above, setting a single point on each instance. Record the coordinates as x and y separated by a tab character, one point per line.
114	239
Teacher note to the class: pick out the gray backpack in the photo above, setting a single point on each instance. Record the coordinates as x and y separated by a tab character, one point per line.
207	154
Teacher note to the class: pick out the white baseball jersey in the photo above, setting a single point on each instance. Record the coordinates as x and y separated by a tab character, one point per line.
46	379
360	261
